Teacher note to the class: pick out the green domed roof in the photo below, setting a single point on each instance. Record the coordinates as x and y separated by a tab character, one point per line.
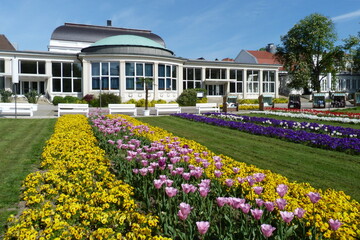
131	40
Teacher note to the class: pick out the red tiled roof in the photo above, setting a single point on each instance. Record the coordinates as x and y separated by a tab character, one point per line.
5	44
228	60
264	57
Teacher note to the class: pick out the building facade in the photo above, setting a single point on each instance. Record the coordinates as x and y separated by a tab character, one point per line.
87	59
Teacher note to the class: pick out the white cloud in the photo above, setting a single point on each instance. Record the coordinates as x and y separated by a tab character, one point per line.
347	16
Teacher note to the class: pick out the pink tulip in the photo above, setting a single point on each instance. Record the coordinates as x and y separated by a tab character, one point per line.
170	191
236	202
158	183
186	176
245	207
314	197
281	203
145	163
334	224
143	171
269	206
258	190
217	158
163	178
187	188
218	173
182	216
299	212
204	191
218	165
236	170
256	213
169	182
259	202
202	227
221	201
229	182
281	189
287	216
135	171
267	230
250	180
185	208
259	177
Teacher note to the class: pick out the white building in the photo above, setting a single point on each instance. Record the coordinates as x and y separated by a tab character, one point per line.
87	59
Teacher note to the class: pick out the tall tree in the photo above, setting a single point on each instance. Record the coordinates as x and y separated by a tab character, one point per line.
352	48
308	51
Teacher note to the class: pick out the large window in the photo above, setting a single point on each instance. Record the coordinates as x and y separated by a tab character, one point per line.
32	67
215	73
268	81
2	82
167	77
192	78
105	75
252	81
134	71
66	77
236	75
2	66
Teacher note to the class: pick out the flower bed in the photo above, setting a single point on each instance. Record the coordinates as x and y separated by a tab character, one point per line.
349	145
310	127
310	116
317	112
198	193
75	196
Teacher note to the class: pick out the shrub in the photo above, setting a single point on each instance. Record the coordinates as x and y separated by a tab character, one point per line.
187	98
5	95
32	96
280	100
202	100
107	98
57	100
248	101
71	99
131	101
88	97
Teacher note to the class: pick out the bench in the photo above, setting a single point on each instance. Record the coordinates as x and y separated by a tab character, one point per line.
73	108
21	108
122	108
207	107
168	107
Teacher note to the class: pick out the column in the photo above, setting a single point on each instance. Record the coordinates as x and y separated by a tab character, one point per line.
277	83
244	83
261	82
156	81
122	84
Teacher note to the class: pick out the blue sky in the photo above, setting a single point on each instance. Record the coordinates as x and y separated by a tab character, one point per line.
210	29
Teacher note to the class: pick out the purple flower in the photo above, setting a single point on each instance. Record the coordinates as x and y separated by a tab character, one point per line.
229	182
299	212
245	207
256	213
258	190
280	203
170	191
269	206
267	230
204	191
281	189
334	224
259	202
202	227
287	216
221	201
314	197
158	183
218	173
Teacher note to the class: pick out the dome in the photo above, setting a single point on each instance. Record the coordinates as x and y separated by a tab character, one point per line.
127	40
127	44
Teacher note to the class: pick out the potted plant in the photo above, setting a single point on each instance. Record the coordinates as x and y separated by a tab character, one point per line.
147	82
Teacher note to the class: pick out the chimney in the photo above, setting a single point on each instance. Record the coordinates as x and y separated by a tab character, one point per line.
108	23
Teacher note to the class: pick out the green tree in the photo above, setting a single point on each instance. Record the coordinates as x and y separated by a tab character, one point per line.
308	51
147	82
352	48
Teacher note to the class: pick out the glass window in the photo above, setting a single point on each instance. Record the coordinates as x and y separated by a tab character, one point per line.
139	84
129	71
28	67
42	87
56	83
77	85
114	83
173	84
168	84
139	69
168	71
2	65
190	74
197	84
105	83
2	82
130	84
66	69
95	69
253	81
67	85
197	73
161	84
232	74
41	67
95	83
114	69
56	69
173	72
149	70
77	69
104	68
161	70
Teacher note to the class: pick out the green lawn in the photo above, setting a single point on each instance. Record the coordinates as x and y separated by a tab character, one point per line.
21	145
321	168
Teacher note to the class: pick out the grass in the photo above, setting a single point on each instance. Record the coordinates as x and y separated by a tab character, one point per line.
321	168
21	145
